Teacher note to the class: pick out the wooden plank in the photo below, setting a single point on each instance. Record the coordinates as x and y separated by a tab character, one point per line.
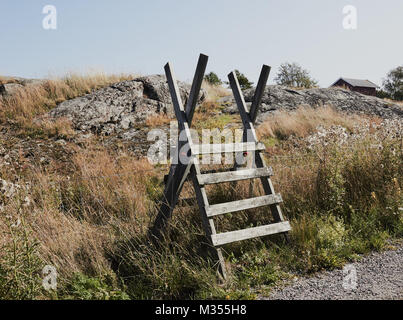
227	148
216	170
250	233
170	198
268	188
239	205
240	101
250	136
178	172
175	95
237	175
208	223
196	85
261	85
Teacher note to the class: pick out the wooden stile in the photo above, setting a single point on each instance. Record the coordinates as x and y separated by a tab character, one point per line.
189	170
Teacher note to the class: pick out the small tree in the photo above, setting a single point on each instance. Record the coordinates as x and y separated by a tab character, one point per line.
382	94
393	84
243	80
213	79
293	75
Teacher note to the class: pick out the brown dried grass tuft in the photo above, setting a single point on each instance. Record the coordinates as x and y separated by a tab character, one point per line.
35	99
214	92
158	120
77	219
304	121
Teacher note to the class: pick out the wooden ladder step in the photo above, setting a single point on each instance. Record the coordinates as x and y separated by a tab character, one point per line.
244	174
200	149
239	205
233	236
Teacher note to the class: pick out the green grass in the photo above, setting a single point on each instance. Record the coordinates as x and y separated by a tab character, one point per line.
92	225
340	219
345	205
20	263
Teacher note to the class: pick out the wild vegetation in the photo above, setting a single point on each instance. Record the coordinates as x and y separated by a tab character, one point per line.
393	84
213	79
33	100
340	177
293	75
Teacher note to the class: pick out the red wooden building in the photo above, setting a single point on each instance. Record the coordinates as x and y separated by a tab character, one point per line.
362	86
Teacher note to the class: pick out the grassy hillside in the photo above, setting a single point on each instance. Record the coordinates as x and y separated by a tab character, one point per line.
87	207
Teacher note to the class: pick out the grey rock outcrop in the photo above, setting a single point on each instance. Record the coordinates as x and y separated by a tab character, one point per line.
279	98
9	88
9	85
121	106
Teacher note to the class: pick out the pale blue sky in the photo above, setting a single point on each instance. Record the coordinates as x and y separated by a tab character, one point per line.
141	36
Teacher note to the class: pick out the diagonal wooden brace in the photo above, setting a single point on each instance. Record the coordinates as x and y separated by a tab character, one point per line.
249	130
179	171
261	85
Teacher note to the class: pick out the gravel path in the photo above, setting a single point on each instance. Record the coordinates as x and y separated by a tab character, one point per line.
378	276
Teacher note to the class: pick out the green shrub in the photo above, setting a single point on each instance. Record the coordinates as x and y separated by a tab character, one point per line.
20	265
83	287
244	82
213	79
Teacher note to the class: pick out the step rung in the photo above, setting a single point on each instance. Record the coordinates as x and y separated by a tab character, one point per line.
244	174
200	149
239	205
219	170
239	235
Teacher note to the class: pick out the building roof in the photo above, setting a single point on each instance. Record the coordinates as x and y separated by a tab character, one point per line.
358	83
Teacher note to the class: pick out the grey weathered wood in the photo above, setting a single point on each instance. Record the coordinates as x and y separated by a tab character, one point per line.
261	85
175	95
227	147
180	172
215	170
208	223
250	233
170	199
250	136
220	177
240	101
239	205
196	86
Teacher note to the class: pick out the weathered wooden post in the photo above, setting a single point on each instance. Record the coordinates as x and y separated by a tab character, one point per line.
188	167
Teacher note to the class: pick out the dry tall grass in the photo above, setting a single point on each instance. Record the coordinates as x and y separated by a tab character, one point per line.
77	218
158	120
94	218
304	121
393	101
214	92
35	99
